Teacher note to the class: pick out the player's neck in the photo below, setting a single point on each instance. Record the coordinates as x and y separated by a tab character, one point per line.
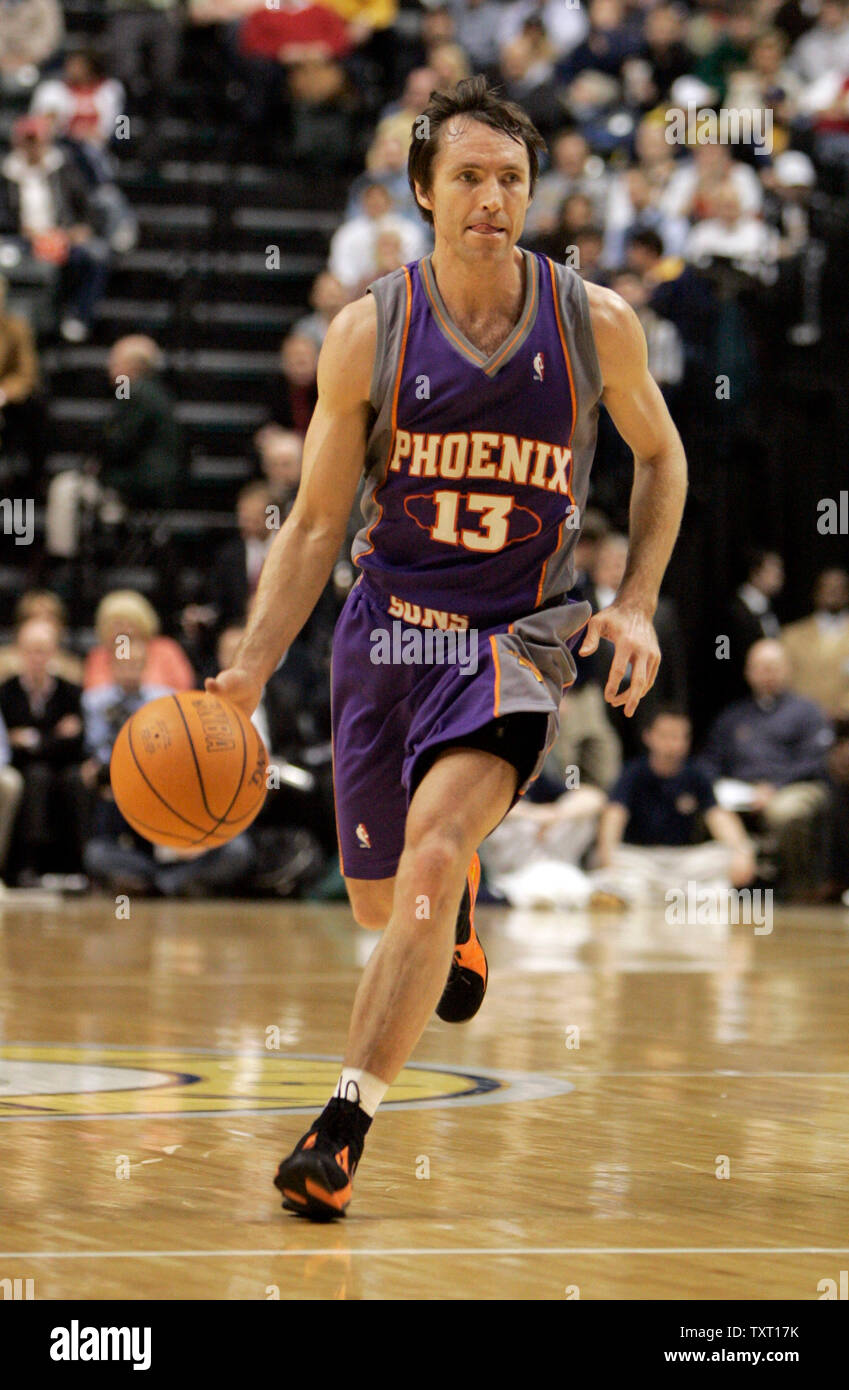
475	292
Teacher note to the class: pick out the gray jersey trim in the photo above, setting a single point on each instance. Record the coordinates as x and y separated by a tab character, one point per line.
390	295
574	308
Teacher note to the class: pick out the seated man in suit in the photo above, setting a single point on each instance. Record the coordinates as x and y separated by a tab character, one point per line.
770	752
750	616
42	714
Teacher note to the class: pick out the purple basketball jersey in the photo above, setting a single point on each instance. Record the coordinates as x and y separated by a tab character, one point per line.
477	467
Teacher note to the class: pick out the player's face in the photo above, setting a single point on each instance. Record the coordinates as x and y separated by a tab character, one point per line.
480	189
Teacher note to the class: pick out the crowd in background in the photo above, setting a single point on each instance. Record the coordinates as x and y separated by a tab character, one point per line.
719	249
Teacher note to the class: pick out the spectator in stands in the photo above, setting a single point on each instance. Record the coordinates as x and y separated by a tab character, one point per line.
115	854
295	32
565	25
125	616
655	155
144	38
31	32
789	182
290	55
823	49
353	248
41	712
572	171
527	77
733	235
41	603
634	206
449	62
21	402
609	43
817	647
586	739
296	393
609	566
766	82
388	256
589	245
648	838
397	117
84	106
750	616
45	203
327	296
386	163
665	349
11	791
235	574
141	453
776	744
733	34
281	453
597	105
691	189
476	24
665	49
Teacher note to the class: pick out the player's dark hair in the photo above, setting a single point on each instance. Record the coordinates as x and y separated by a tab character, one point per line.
471	97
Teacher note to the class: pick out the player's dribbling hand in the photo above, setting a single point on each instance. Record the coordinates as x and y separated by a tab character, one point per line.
238	686
635	644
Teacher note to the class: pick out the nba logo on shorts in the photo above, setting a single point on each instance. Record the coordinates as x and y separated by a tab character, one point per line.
363	836
539	367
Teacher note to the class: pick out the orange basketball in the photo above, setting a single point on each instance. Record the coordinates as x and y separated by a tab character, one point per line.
188	771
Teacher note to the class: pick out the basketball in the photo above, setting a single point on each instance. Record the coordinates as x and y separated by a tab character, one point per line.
188	771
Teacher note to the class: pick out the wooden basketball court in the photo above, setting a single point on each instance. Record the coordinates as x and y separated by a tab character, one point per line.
573	1140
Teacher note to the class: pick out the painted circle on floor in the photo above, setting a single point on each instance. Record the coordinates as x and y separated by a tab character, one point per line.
57	1081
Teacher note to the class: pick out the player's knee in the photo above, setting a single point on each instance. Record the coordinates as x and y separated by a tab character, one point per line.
373	918
370	909
434	857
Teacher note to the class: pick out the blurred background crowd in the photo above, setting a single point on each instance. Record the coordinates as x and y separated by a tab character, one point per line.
189	192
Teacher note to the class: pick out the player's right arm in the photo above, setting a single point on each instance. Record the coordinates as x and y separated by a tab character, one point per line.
301	558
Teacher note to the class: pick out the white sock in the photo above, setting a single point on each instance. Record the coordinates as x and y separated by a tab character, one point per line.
371	1089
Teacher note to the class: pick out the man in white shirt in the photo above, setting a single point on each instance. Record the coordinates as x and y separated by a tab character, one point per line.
731	234
825	48
354	246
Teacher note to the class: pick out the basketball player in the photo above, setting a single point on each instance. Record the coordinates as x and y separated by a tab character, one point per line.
467	386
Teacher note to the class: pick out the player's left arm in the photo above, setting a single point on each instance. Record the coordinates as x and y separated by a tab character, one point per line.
639	412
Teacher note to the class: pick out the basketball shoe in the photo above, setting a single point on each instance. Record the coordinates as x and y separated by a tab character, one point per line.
316	1178
466	985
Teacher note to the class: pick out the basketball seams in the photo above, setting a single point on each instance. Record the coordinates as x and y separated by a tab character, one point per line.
219	829
219	820
147	781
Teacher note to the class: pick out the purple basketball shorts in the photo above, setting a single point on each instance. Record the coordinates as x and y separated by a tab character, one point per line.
404	682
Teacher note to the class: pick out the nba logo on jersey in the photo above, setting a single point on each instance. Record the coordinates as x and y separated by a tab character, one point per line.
539	367
363	836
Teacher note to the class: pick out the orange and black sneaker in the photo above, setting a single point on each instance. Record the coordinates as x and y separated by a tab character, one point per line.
466	985
316	1178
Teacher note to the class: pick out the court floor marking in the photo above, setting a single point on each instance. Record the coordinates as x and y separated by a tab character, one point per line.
407	1251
